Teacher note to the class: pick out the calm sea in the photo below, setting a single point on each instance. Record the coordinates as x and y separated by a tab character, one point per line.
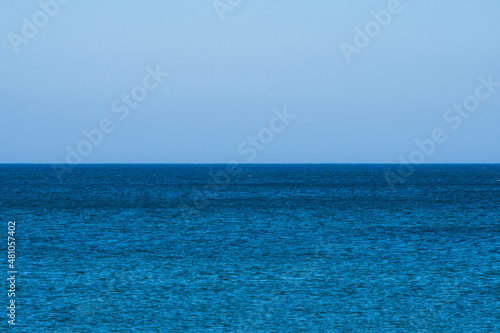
260	248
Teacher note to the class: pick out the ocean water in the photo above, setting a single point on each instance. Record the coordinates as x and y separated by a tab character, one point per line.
262	248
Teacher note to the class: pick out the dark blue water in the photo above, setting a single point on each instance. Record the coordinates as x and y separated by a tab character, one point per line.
264	248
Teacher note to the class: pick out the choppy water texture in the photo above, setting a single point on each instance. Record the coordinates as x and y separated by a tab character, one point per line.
281	248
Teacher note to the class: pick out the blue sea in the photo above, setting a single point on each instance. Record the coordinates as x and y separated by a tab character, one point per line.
253	248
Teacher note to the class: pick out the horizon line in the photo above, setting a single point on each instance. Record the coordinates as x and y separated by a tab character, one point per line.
243	163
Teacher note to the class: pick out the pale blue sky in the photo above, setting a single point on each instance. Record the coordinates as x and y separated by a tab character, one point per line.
227	76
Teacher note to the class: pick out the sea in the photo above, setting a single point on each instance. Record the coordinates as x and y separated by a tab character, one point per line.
252	248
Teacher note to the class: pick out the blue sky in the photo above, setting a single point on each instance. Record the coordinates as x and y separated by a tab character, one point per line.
227	76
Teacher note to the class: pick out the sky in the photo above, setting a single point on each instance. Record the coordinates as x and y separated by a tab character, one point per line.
203	81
